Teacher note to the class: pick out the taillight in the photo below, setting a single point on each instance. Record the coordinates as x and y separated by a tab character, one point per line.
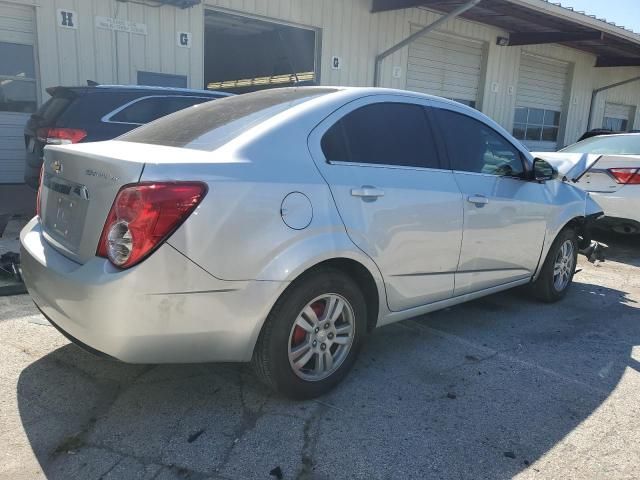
39	196
143	216
60	136
626	176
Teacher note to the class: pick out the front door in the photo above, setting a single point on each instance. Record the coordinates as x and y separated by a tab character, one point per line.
504	214
399	203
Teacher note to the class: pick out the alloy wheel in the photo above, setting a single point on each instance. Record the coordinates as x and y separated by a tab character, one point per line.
563	266
321	337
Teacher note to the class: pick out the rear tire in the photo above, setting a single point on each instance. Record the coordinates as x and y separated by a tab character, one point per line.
559	267
312	335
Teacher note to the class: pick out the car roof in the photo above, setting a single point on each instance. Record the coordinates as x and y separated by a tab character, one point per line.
621	134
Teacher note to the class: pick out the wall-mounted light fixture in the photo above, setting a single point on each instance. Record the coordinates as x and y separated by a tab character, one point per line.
503	41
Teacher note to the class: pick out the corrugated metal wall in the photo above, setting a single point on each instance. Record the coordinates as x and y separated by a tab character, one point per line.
348	30
626	95
73	56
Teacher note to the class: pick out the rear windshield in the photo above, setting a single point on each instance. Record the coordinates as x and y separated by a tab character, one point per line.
210	125
607	145
52	108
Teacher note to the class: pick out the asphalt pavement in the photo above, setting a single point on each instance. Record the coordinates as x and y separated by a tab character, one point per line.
497	388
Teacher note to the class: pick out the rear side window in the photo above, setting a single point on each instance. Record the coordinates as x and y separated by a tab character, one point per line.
149	109
475	147
383	134
212	124
89	108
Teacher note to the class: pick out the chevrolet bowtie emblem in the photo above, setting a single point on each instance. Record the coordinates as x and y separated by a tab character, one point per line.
57	166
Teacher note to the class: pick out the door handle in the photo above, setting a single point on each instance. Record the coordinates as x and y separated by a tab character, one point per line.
367	191
478	199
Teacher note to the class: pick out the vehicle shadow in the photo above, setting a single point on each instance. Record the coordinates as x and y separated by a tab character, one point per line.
482	390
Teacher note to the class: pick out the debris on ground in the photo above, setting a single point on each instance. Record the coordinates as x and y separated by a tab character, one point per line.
277	472
194	436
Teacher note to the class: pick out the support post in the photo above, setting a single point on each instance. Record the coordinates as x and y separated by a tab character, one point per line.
454	13
595	93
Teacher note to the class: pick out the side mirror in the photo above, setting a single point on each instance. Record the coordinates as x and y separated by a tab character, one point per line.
543	170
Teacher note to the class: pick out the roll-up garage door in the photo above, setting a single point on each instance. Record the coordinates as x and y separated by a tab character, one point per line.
542	86
445	66
617	117
18	97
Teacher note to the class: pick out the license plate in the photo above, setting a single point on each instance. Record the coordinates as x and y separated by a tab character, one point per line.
65	213
31	145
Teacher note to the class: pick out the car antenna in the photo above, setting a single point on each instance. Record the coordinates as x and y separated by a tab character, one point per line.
288	58
92	83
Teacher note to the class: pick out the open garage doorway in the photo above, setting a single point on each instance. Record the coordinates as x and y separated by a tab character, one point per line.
244	54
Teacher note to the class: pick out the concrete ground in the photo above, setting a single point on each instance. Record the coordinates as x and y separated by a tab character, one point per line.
497	388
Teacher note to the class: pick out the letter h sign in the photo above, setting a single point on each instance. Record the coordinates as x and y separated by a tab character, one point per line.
67	19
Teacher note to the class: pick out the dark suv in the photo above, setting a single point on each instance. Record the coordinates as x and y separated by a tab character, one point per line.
100	112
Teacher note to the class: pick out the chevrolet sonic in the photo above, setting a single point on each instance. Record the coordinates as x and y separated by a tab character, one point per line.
281	227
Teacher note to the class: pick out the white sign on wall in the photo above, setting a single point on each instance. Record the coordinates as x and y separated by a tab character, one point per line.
119	25
67	18
336	63
184	39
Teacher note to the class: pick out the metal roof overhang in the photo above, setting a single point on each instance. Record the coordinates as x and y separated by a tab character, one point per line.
538	21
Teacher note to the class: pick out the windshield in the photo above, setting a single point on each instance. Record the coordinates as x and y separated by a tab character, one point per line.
607	145
212	124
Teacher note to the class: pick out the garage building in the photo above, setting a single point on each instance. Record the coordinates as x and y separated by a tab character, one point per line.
544	72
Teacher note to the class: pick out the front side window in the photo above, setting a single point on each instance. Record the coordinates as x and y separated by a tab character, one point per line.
475	147
536	124
383	134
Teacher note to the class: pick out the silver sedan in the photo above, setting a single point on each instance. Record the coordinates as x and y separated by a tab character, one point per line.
282	227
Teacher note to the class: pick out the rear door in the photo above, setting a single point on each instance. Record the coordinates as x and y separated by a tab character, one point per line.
504	214
399	202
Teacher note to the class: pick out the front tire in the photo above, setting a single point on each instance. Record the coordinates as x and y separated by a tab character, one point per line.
312	336
558	269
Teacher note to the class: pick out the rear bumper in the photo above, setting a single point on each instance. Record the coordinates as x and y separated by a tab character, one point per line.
165	310
622	205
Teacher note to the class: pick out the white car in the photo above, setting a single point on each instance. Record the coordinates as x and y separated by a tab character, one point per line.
608	167
283	226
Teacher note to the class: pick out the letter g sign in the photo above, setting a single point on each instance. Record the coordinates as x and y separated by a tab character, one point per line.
184	39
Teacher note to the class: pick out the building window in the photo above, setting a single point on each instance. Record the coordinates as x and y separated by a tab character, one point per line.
615	124
536	124
468	103
155	79
17	78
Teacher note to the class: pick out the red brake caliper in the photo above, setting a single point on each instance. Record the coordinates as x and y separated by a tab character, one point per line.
299	335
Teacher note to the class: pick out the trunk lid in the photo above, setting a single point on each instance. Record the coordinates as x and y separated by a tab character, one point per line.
79	185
